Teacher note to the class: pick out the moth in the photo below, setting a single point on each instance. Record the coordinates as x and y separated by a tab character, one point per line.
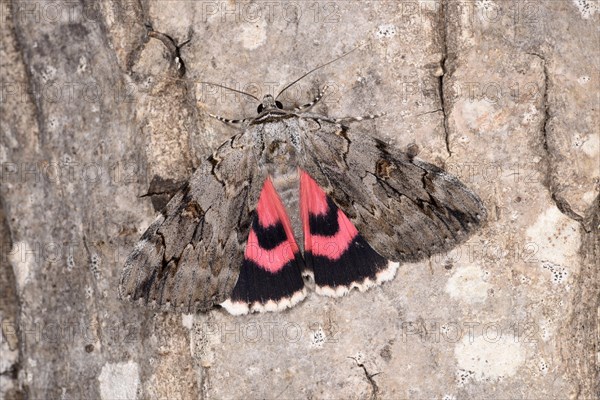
295	200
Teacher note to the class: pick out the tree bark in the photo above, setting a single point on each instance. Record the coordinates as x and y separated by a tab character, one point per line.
104	114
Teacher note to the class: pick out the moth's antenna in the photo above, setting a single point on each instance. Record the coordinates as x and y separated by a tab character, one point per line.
233	90
314	69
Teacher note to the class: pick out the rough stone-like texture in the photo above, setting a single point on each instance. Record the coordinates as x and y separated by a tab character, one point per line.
95	114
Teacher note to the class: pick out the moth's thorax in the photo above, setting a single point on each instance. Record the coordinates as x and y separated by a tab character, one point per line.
277	145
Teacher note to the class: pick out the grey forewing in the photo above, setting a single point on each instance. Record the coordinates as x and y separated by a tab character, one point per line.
189	259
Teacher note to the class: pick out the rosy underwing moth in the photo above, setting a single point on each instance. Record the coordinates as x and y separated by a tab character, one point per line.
295	199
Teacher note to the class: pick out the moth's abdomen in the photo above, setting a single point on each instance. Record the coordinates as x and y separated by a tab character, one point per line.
287	185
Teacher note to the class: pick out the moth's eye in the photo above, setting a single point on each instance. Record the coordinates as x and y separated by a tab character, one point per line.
260	108
279	105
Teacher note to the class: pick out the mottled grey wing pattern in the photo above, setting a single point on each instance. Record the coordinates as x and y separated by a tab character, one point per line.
406	209
189	258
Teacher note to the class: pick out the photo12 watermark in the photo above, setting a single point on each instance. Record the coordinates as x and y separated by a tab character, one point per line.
71	171
328	12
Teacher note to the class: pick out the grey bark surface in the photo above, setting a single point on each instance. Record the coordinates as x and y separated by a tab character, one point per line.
99	125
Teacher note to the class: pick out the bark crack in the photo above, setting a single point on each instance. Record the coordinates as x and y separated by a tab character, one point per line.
172	46
372	383
441	83
430	112
560	202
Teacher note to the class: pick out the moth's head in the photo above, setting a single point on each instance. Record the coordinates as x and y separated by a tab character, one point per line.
269	103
